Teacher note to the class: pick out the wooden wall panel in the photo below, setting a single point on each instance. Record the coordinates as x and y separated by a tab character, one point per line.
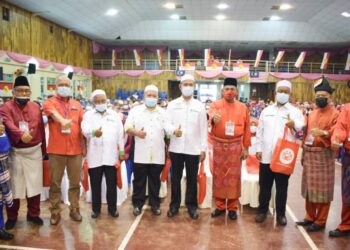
28	34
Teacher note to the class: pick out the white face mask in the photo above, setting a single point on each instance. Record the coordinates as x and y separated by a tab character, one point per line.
253	129
282	98
63	91
187	91
101	107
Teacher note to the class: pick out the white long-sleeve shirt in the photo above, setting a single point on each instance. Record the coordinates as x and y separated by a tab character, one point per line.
151	149
271	127
192	117
103	150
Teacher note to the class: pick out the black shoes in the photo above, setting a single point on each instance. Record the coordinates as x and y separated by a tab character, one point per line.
304	223
193	214
314	227
172	212
217	212
94	215
35	219
232	215
338	233
260	218
5	235
114	214
281	220
136	211
156	211
10	224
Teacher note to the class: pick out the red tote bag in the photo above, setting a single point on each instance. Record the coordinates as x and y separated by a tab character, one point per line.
252	164
46	174
119	175
202	183
166	169
285	155
85	180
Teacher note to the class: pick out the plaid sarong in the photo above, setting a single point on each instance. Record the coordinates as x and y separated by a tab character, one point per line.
345	183
318	174
5	184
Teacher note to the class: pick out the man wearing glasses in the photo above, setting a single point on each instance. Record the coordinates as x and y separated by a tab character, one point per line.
25	127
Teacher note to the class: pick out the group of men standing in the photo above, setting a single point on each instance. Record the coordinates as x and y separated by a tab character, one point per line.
181	132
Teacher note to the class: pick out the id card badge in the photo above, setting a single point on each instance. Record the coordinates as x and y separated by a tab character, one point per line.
309	140
24	126
230	129
65	130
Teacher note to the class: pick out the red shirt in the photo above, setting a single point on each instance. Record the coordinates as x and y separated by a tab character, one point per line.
342	129
62	143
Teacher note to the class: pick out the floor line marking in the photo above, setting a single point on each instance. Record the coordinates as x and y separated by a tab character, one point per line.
302	230
21	248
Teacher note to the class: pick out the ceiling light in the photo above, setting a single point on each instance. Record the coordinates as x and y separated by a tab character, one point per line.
220	17
285	6
170	6
111	12
346	14
275	18
175	17
222	6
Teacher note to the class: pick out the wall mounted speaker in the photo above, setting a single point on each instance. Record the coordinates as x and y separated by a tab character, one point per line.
70	75
31	68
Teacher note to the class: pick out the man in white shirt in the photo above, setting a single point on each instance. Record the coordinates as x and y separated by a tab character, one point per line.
272	122
190	116
104	131
149	124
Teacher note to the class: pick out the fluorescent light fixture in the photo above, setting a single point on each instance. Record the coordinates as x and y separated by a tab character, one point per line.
220	17
285	6
275	18
222	6
345	14
175	17
111	12
170	6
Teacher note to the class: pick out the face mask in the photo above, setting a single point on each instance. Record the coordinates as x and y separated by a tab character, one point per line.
321	102
63	91
22	100
187	91
45	119
282	98
151	102
253	129
101	107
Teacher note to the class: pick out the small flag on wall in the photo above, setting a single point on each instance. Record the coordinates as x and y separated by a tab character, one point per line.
182	57
137	55
160	56
300	60
325	60
114	58
347	66
229	59
279	57
207	53
258	58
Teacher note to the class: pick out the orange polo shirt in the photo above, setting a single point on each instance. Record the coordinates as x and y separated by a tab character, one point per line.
342	129
61	143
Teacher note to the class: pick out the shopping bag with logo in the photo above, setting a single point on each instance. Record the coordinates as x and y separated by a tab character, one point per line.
252	164
119	175
202	183
85	180
165	172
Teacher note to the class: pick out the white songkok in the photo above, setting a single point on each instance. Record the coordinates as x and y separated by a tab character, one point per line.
284	83
151	88
187	77
97	92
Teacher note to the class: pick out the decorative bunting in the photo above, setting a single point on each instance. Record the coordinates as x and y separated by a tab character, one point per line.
279	57
300	60
182	57
137	55
114	57
258	58
325	60
160	56
207	53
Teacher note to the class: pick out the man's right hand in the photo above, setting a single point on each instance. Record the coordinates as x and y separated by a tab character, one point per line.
258	155
26	137
217	118
66	123
140	133
335	144
98	132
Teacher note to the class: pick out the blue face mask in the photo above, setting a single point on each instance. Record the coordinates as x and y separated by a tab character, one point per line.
282	98
45	119
63	91
151	102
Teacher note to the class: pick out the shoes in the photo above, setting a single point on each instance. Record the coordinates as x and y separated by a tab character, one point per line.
75	214
217	212
10	224
260	218
5	235
193	214
114	214
281	220
136	211
304	223
339	233
35	219
315	227
55	218
232	215
94	215
172	212
156	211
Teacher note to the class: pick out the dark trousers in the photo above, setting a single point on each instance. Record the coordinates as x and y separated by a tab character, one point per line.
96	175
142	173
178	162
266	178
33	205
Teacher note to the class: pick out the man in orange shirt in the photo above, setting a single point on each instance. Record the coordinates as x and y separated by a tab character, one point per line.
65	147
341	134
318	160
231	135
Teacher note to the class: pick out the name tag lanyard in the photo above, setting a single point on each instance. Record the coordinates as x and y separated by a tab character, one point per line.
23	125
66	113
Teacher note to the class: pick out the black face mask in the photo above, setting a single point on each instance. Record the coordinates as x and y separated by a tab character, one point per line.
321	102
22	101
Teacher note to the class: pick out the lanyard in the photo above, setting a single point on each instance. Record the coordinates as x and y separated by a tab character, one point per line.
66	111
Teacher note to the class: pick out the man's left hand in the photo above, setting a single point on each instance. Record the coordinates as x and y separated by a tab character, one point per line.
317	132
202	156
121	158
244	154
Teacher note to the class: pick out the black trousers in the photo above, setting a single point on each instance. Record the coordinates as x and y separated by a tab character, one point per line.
96	175
190	162
142	173
266	178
